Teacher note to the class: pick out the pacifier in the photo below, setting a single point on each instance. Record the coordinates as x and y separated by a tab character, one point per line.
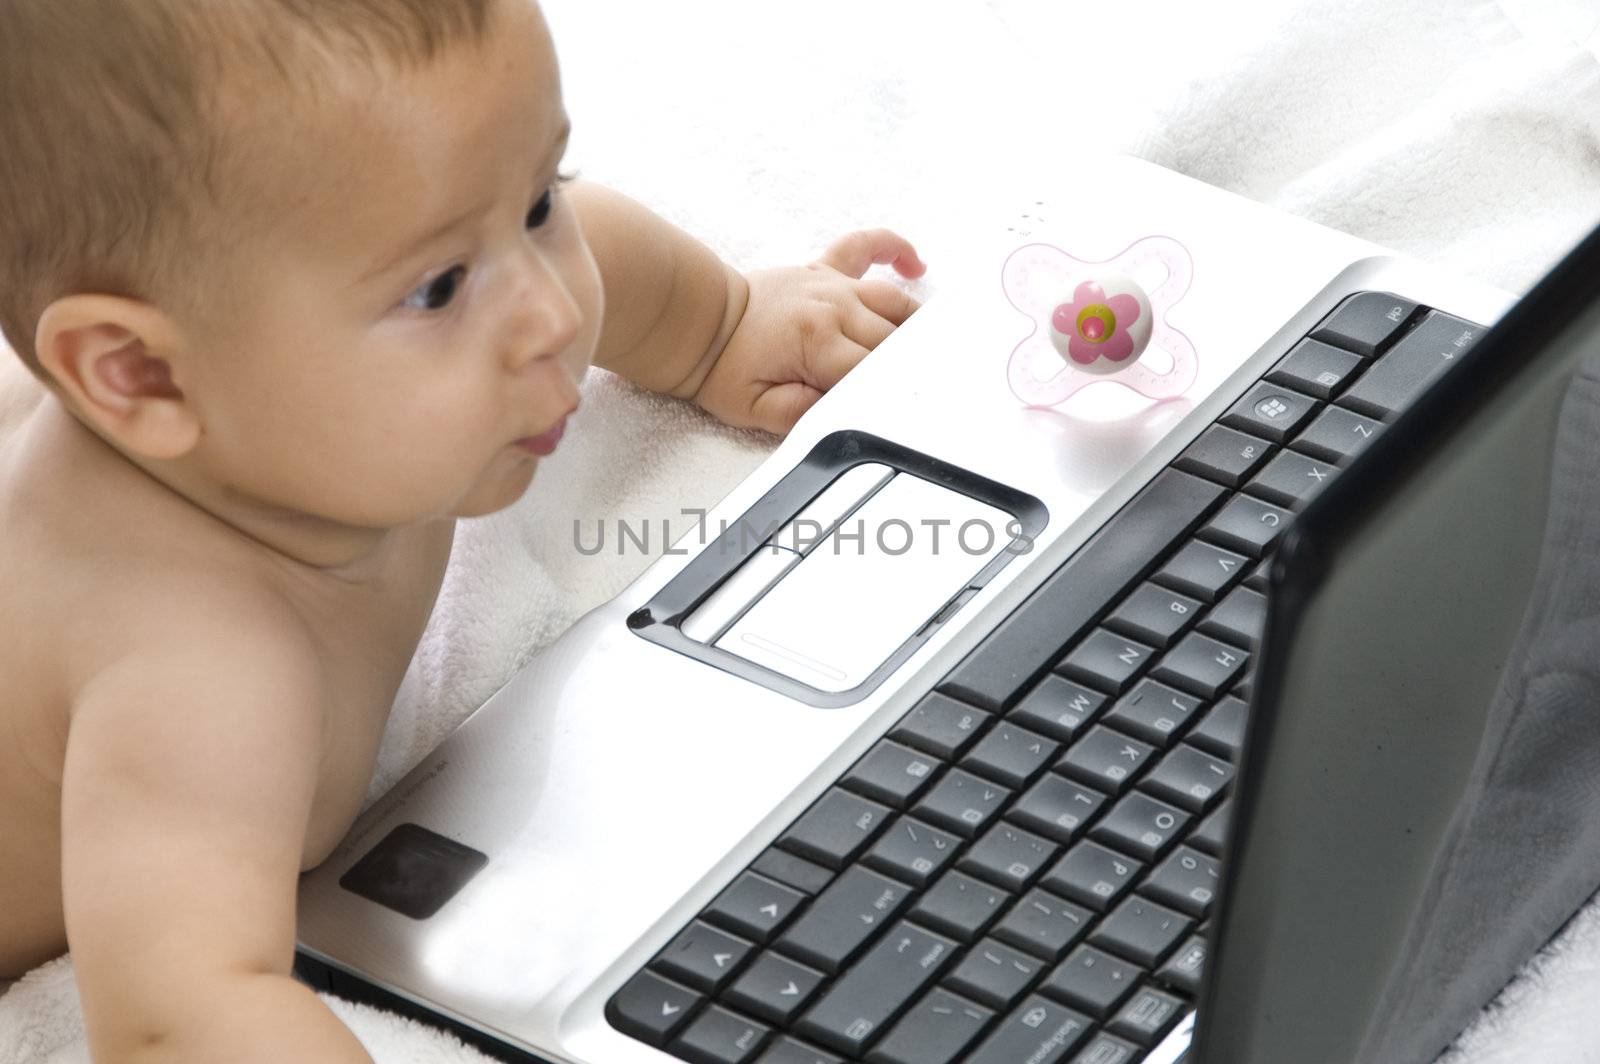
1096	321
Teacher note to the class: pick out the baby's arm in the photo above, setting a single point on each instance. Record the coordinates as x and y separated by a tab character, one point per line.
190	771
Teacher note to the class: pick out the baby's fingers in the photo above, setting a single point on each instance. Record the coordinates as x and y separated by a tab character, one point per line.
852	253
889	302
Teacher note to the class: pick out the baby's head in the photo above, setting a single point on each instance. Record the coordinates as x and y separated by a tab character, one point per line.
307	253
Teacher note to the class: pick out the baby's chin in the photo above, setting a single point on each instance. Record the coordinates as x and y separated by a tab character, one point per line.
497	490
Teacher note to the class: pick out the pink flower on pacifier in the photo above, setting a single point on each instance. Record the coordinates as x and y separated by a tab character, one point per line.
1097	326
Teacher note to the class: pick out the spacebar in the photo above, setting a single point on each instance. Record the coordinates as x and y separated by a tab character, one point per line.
1004	665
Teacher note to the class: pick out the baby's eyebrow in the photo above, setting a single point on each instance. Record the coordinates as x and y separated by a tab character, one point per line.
558	147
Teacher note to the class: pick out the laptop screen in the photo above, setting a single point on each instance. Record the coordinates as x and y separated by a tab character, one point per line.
1419	803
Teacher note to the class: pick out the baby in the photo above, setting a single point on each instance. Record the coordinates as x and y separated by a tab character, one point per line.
298	283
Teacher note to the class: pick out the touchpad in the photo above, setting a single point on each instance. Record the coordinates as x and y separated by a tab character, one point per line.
870	584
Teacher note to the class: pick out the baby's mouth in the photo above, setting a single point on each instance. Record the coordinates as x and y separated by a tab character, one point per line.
545	442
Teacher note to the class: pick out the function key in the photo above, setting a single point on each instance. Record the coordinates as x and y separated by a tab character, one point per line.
1413	363
1338	435
941	726
721	1037
1108	1049
1148	1015
1365	323
1271	411
1315	368
1037	1031
1224	455
652	1009
1184	968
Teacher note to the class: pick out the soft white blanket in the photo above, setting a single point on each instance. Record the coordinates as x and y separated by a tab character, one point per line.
1467	134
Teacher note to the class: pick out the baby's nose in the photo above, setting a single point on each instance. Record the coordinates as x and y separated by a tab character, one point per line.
546	317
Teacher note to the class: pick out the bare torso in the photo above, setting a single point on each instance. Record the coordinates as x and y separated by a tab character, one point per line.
78	526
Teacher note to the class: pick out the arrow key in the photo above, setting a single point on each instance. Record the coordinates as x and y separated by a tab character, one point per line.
650	1008
703	957
774	988
754	907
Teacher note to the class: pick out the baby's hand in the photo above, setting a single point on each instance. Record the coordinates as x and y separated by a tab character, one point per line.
805	327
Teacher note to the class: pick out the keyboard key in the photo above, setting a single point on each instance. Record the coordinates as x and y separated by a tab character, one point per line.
774	988
963	803
1148	1015
1104	759
1105	660
1057	807
1092	980
1038	1031
1315	368
836	829
702	957
754	907
840	921
876	988
912	852
1009	857
960	906
793	871
1057	707
1291	479
1044	925
892	773
1185	968
1338	435
1140	825
718	1036
1152	711
1365	322
1141	931
941	726
652	1009
1202	570
1413	363
1004	665
1201	665
1224	455
995	974
1271	411
1189	778
1240	619
1248	525
792	1051
1107	1049
1260	577
935	1031
1221	731
1092	875
1212	834
1186	880
1011	754
1154	615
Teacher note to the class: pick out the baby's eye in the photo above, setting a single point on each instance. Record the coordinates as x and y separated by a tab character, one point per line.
437	293
540	213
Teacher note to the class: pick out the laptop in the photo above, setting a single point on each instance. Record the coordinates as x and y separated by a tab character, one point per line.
1113	772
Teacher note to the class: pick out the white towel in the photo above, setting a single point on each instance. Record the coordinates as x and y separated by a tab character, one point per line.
1469	136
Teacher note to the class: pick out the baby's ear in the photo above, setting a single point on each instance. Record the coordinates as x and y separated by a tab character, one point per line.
114	361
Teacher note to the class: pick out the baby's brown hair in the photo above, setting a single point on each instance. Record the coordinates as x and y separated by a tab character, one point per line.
115	161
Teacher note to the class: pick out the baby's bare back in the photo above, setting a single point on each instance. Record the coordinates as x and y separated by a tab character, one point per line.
97	561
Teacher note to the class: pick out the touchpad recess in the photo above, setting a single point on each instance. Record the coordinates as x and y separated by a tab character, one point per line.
843	569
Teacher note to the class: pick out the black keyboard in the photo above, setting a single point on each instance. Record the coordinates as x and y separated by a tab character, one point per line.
1023	868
